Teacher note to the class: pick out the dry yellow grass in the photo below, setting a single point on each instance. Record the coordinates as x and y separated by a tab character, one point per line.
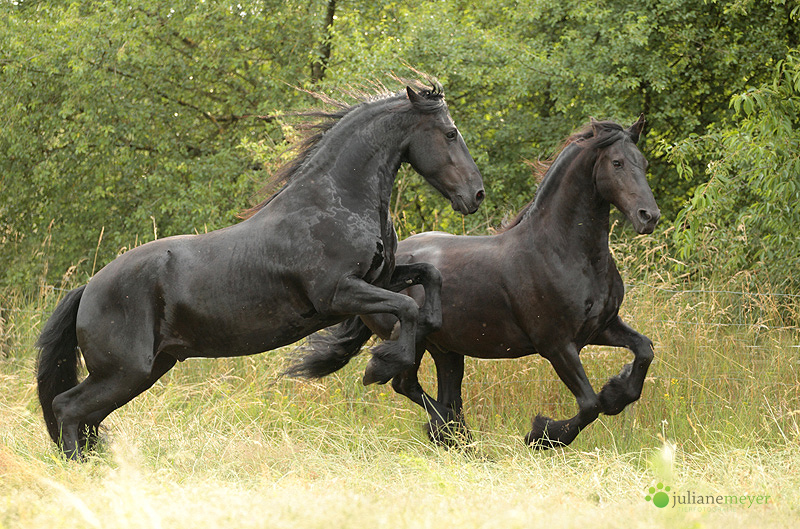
228	444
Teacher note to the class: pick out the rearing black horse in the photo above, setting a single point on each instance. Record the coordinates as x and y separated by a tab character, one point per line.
547	284
317	252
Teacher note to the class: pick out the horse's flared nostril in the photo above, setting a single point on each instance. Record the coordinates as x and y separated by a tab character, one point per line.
649	218
479	196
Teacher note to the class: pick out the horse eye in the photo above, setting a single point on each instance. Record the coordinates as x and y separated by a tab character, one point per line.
617	163
451	134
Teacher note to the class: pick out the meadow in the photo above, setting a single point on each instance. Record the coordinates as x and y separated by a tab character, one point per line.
231	443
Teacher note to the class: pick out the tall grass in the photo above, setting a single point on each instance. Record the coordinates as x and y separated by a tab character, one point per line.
230	443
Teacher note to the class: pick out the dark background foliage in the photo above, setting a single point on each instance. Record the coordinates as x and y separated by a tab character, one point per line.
122	121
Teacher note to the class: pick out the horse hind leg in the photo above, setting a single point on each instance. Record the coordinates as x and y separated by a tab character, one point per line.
626	387
90	430
407	384
450	429
548	433
80	410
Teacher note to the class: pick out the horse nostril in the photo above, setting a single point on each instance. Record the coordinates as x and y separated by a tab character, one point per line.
645	215
480	196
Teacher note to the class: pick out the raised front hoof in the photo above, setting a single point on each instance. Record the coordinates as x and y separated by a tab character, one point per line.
616	393
376	372
547	433
451	434
384	366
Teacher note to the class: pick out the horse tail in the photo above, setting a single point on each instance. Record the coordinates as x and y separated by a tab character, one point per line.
330	350
57	366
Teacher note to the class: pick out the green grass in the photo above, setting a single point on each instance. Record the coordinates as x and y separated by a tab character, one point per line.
229	443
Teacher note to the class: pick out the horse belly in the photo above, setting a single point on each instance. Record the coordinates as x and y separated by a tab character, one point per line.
477	315
161	298
476	341
237	330
481	326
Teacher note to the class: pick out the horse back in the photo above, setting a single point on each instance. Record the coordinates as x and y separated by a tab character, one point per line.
196	295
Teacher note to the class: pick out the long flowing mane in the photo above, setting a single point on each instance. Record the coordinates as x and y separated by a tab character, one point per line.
319	122
609	132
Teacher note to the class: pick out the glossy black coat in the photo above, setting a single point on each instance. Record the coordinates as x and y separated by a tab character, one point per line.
545	285
317	252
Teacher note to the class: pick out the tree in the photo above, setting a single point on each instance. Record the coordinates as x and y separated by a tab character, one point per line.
320	62
130	117
521	76
126	117
745	217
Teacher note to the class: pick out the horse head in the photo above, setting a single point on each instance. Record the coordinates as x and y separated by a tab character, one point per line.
436	150
620	177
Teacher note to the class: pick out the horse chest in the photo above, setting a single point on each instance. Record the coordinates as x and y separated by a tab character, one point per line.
597	310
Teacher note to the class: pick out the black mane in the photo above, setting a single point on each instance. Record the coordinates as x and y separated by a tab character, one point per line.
319	122
609	132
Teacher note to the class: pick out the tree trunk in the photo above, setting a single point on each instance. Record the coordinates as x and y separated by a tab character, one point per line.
320	62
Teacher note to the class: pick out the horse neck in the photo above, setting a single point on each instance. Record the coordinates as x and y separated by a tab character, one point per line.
568	213
362	153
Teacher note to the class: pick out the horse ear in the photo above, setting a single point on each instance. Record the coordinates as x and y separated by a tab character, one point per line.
413	96
636	128
595	128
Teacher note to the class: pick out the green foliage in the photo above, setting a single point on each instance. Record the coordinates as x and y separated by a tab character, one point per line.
130	116
126	118
521	76
745	216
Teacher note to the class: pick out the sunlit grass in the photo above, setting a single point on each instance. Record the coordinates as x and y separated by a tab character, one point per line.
231	443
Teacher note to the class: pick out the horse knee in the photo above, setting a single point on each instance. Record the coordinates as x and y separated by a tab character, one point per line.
645	352
407	312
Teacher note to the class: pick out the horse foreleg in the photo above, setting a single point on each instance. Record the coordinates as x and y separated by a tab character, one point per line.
356	296
429	277
626	387
548	433
446	425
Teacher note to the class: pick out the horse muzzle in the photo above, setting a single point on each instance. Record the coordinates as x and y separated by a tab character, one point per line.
468	206
645	220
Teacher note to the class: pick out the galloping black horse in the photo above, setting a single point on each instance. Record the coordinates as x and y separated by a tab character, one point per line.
317	252
546	284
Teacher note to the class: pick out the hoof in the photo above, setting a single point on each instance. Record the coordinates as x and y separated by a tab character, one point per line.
452	434
546	433
615	393
376	372
384	364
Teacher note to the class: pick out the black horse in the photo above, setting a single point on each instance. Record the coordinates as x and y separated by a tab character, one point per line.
318	251
546	284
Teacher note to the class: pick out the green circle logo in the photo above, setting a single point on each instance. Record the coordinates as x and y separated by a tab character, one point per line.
658	495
